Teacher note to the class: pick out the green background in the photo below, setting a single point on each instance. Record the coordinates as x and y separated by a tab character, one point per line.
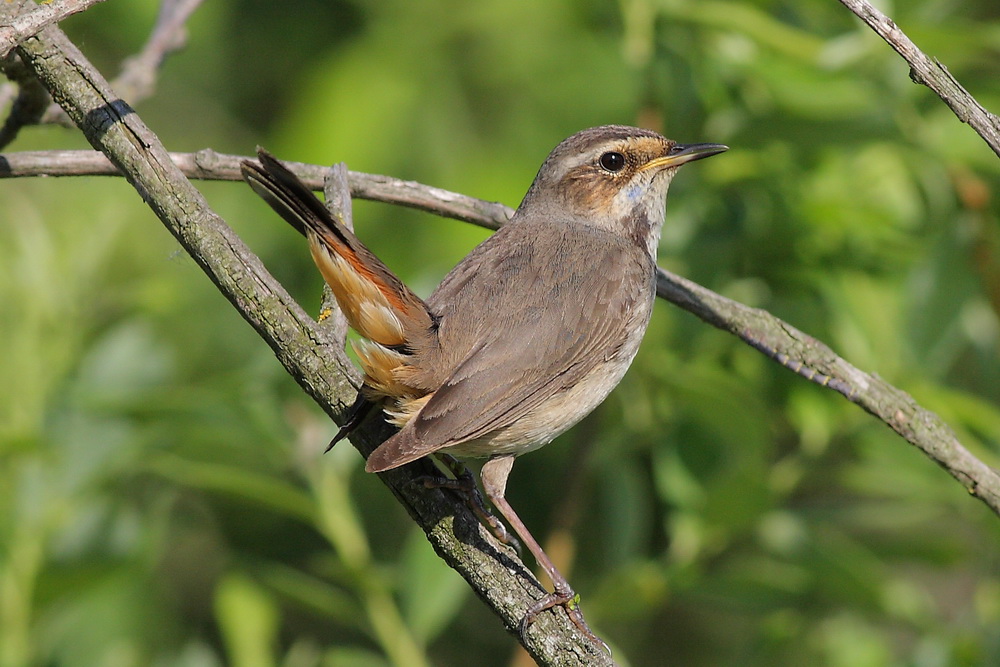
163	500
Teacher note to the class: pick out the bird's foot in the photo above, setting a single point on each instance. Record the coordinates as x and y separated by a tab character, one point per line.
465	485
570	601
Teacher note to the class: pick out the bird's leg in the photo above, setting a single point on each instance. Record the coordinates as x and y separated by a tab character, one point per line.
465	485
494	476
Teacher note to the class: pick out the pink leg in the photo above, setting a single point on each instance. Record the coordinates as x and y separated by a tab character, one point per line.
494	476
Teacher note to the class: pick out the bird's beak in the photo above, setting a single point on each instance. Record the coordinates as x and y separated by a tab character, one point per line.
682	153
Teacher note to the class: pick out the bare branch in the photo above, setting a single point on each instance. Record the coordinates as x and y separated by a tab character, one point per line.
337	192
931	73
211	166
25	25
816	362
779	340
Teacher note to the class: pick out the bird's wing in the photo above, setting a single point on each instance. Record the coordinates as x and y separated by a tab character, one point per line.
531	318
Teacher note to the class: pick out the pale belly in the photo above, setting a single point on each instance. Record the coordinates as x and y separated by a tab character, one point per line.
553	417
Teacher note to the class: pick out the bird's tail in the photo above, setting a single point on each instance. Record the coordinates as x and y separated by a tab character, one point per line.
376	303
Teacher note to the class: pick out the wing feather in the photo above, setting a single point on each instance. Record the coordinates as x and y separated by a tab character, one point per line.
526	320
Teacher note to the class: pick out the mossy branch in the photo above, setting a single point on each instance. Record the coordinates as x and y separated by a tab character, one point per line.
308	351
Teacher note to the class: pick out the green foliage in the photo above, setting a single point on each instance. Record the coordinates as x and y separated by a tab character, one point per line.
163	499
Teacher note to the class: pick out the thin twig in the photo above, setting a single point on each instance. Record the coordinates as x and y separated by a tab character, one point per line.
931	73
337	192
816	362
137	80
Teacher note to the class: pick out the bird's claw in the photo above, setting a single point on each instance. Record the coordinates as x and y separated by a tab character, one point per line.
465	485
570	601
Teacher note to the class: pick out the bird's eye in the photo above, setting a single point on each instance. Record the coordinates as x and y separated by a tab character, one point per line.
612	161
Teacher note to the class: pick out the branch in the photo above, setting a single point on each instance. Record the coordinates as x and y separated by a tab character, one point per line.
211	166
305	350
29	102
790	347
27	24
931	73
816	362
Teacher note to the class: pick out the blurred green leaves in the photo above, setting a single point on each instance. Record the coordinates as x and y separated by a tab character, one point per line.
162	495
248	621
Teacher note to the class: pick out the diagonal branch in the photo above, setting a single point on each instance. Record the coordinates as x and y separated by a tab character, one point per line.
781	341
29	102
816	362
931	73
305	350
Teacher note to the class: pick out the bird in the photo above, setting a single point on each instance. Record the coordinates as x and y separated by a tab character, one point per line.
528	333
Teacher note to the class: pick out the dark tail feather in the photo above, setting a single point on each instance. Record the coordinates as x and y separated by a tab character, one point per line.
296	203
288	196
355	415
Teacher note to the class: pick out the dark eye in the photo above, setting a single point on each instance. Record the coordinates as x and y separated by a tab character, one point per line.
612	161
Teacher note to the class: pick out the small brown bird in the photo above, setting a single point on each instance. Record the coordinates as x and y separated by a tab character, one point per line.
526	335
